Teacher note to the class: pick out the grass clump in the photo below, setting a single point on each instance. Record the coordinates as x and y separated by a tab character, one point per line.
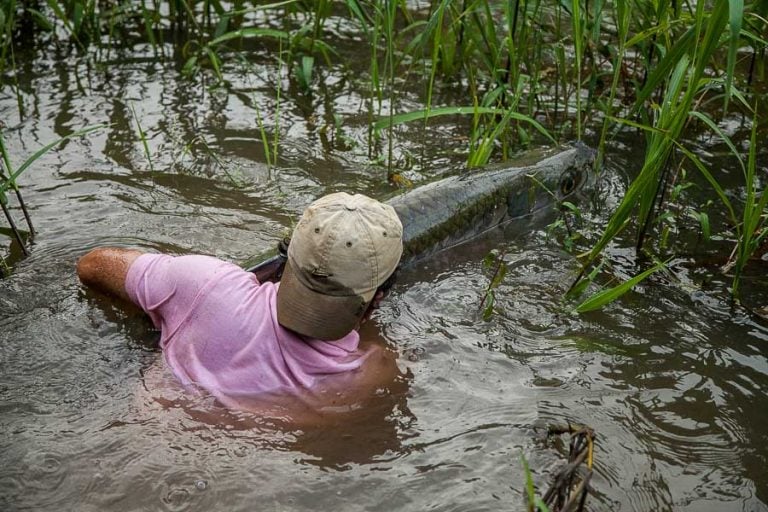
527	70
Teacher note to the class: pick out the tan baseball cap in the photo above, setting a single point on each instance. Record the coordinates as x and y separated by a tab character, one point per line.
343	248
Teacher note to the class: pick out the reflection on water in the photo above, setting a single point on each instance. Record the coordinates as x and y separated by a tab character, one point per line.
357	436
672	378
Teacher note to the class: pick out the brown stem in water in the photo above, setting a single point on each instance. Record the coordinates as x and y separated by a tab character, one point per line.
26	213
15	229
569	489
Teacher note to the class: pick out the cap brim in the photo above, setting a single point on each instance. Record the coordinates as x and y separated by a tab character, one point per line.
317	315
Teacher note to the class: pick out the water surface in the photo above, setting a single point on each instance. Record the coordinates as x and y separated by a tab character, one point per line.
672	378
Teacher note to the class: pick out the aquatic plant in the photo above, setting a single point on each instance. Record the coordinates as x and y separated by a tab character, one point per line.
681	75
9	180
143	138
608	295
752	231
529	70
494	261
534	503
570	485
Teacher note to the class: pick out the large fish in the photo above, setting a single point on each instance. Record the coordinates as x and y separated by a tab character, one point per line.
456	209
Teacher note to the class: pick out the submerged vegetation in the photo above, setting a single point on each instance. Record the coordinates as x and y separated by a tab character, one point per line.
530	71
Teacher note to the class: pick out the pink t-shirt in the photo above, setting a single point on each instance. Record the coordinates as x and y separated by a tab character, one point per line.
219	329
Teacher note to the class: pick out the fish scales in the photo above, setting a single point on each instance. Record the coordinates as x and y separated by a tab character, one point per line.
458	208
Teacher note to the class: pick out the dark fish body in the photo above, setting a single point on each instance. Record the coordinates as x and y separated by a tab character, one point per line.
458	208
453	210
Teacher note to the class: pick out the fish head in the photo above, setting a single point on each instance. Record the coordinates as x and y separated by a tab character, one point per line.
578	177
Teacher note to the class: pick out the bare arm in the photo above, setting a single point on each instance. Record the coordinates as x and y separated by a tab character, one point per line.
105	268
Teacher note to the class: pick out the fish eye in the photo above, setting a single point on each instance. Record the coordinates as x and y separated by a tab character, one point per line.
568	183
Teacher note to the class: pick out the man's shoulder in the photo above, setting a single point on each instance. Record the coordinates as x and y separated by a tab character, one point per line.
219	298
201	266
187	276
205	259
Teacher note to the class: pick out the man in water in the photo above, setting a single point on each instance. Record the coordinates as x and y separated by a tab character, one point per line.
242	340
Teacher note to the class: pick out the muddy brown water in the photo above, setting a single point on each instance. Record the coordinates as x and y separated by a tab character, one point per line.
672	379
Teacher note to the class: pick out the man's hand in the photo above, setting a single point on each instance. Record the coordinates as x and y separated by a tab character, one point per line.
105	268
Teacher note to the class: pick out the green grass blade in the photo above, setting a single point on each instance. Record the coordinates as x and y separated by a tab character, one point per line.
578	39
735	20
56	8
446	111
703	219
215	62
39	18
756	210
753	216
639	126
249	32
712	181
662	70
355	8
482	154
649	33
709	122
148	26
641	191
609	295
581	286
530	491
6	159
40	152
143	137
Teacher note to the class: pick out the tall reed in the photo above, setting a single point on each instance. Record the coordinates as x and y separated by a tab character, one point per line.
681	70
530	71
754	224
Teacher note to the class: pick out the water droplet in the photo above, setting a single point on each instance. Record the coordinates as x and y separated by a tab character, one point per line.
201	485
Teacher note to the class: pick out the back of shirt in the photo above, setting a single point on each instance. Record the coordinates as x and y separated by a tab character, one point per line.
219	329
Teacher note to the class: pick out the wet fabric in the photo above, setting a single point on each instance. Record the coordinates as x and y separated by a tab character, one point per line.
219	329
